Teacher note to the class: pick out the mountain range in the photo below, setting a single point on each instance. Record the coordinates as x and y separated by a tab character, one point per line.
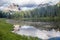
29	5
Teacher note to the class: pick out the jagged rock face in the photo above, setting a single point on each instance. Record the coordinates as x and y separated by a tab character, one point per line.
11	7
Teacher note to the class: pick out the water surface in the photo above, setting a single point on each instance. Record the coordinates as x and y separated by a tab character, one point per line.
34	32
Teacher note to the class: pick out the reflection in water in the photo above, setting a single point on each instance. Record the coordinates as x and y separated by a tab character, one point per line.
34	32
27	30
55	38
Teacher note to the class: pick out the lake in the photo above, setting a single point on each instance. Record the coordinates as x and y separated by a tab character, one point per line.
34	32
36	29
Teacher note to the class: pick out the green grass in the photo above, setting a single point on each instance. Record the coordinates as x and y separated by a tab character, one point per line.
6	34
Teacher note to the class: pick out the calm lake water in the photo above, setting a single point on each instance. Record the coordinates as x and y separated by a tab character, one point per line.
34	32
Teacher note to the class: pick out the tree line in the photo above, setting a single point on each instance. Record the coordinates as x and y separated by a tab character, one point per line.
51	12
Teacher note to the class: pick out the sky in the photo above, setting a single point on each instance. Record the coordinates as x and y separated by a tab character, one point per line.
21	2
4	3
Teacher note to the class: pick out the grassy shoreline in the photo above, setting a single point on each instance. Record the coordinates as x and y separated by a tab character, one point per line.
6	34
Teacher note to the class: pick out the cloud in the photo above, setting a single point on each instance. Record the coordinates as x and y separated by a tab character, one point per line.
2	2
25	2
21	2
5	3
